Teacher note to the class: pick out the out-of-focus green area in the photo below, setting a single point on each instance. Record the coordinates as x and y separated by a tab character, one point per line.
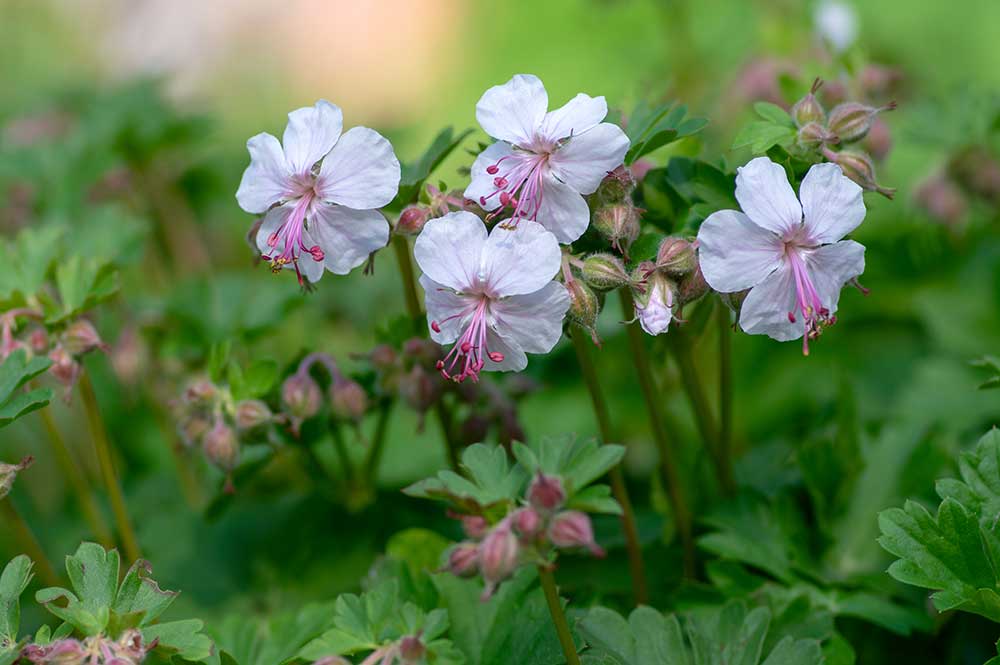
900	355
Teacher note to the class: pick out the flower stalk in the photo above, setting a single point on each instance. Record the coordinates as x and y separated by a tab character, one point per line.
27	542
725	384
558	616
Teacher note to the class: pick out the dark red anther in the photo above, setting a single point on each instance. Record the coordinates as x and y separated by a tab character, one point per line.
496	356
504	198
500	182
791	317
436	328
492	169
317	253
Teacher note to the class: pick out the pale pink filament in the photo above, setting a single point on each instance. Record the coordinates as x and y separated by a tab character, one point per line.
521	187
815	316
469	353
291	233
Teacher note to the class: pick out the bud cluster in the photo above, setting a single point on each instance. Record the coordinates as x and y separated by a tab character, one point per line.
530	534
128	649
433	203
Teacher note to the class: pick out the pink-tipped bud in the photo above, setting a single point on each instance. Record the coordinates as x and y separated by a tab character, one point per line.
692	287
604	272
858	167
546	493
878	143
348	400
808	109
81	337
619	223
475	526
412	650
942	199
252	413
221	447
572	529
301	396
383	357
583	305
814	135
201	392
38	340
676	257
419	388
851	121
64	368
463	560
527	523
8	474
617	186
191	430
412	219
498	555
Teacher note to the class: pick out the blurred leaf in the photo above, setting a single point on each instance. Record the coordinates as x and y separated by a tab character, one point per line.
416	173
650	128
82	284
13	581
183	638
489	480
763	135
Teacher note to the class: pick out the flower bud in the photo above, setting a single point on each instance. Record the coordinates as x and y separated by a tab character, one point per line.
475	526
858	167
301	396
617	186
851	121
64	368
38	340
573	529
200	393
942	199
251	413
619	223
498	556
348	400
604	272
419	388
422	351
692	287
412	219
814	135
81	337
878	143
463	560
676	257
8	474
221	447
655	307
412	650
583	305
978	172
383	357
527	522
192	429
546	493
67	651
808	109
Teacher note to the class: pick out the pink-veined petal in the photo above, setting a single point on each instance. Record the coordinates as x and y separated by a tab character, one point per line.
310	134
765	310
449	310
345	235
832	204
832	266
482	186
448	250
360	172
575	117
513	111
734	253
564	211
519	260
266	180
766	197
534	321
587	158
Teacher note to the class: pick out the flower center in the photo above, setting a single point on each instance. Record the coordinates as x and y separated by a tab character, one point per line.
518	179
815	317
289	235
467	358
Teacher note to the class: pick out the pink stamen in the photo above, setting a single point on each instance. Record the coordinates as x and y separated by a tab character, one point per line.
290	232
468	356
815	316
521	187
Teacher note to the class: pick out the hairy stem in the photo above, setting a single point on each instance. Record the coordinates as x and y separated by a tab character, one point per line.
27	542
637	567
99	435
657	416
558	616
341	448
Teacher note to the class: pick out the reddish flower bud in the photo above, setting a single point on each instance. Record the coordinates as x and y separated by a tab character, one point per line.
200	393
251	413
692	287
38	340
301	397
412	219
419	388
498	556
942	199
858	167
546	493
383	357
851	121
527	522
808	109
815	135
64	368
572	529
348	400
878	143
192	429
676	257
412	650
463	560
604	272
475	526
221	447
619	223
81	337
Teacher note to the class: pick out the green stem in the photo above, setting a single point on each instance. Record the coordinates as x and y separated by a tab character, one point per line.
99	435
725	383
341	447
657	416
27	542
590	377
402	249
378	442
558	616
73	471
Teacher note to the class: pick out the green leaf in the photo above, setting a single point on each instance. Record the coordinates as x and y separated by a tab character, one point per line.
183	638
13	581
774	113
414	174
15	371
578	462
140	600
82	284
762	135
93	574
489	480
651	128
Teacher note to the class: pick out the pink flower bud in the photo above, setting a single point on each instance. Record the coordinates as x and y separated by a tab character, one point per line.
81	337
604	272
808	109
412	649
619	223
475	526
692	287
851	121
463	560
412	219
942	199
383	357
200	393
38	340
221	447
546	493
348	400
64	368
676	257
301	396
192	429
419	388
527	522
815	135
858	167
252	413
878	143
8	474
572	529
498	555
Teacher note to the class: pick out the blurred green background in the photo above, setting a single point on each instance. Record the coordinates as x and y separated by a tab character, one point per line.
224	71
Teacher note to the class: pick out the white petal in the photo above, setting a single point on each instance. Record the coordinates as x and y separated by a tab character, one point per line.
831	203
832	266
445	307
308	267
361	171
655	317
514	359
513	111
345	235
449	247
584	161
766	197
519	260
564	212
575	117
734	253
310	134
482	185
534	320
266	180
765	310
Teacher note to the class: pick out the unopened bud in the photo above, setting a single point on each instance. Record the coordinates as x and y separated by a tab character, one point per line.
583	304
463	560
192	429
252	413
851	121
412	650
604	272
617	186
546	493
808	109
498	556
348	400
419	388
573	529
527	522
858	167
412	219
422	351
878	143
200	393
655	306
64	368
815	135
221	447
383	357
475	526
81	337
942	199
8	474
676	257
619	223
978	172
692	287
38	340
301	396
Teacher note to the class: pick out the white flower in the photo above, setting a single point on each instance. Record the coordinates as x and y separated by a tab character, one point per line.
655	308
491	294
543	162
837	23
790	256
320	190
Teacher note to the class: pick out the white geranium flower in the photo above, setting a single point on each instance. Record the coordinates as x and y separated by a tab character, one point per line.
837	23
543	161
789	255
492	294
321	190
